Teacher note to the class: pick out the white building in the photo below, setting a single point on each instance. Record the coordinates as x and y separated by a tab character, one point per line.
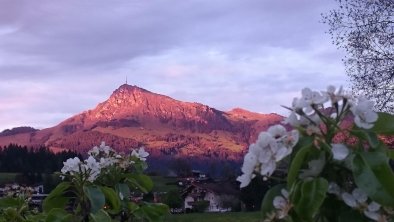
211	192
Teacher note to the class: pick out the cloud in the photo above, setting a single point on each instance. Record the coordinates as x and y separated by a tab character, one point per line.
63	57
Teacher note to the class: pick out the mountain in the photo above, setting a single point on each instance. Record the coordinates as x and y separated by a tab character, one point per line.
134	117
18	130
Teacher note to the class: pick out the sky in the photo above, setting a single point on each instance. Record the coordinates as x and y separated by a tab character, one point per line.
60	58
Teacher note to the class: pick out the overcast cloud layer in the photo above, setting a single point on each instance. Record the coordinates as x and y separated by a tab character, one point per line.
59	58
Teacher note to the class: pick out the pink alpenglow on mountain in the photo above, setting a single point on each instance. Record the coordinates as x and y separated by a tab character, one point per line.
133	117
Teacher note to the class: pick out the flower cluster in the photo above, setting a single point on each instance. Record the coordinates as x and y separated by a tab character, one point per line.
15	190
271	147
89	168
338	139
282	204
358	200
306	110
100	158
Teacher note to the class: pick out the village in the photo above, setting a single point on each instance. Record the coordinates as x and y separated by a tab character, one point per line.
197	192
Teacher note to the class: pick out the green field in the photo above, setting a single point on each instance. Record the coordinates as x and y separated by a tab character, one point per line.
215	217
163	184
7	177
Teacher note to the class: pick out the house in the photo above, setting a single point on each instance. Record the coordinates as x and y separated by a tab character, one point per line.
215	194
196	176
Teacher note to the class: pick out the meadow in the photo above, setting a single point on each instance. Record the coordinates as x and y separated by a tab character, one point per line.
7	177
215	217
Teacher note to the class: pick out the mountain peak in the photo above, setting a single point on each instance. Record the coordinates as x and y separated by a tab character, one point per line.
129	88
133	116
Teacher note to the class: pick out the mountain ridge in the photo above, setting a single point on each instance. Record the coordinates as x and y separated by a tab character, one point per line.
133	116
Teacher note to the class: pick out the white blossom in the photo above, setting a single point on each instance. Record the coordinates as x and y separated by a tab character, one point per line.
264	139
337	95
71	165
360	195
282	204
277	131
268	168
315	167
270	147
356	199
104	148
297	120
93	167
349	200
255	149
94	151
101	150
292	119
265	155
290	140
373	206
372	212
364	116
279	202
140	154
106	162
280	153
309	98
333	188
245	179
339	151
250	161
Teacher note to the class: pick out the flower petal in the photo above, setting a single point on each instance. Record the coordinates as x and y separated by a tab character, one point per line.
339	151
349	200
279	202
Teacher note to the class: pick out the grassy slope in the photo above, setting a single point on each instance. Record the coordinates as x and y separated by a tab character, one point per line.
216	217
7	177
163	184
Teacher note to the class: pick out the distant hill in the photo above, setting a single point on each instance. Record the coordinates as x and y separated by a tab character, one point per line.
18	130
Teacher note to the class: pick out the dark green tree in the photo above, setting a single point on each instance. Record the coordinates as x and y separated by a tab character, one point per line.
173	199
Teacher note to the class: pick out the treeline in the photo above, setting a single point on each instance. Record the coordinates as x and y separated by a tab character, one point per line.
21	159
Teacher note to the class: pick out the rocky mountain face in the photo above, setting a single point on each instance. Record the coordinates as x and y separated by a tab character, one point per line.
134	117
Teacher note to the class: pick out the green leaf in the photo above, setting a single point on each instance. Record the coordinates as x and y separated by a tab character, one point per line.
11	202
352	216
112	198
140	181
267	204
56	198
384	124
308	196
36	218
11	214
296	165
303	141
96	198
100	216
123	189
131	207
373	174
59	215
154	212
390	153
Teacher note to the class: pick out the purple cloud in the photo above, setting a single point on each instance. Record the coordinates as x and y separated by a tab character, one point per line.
59	58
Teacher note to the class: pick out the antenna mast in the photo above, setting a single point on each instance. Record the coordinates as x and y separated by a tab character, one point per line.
126	80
